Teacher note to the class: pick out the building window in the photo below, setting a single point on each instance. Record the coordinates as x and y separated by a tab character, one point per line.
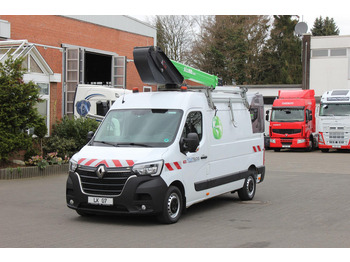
44	88
319	52
44	106
338	52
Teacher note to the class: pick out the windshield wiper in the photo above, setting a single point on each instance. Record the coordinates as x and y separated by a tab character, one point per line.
106	143
133	144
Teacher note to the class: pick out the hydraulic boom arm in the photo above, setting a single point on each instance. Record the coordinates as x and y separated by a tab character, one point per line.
196	75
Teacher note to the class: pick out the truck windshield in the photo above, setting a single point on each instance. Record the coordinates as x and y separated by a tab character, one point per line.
139	127
335	110
287	115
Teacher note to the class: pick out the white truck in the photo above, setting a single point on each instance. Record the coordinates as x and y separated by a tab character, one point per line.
333	122
161	152
94	101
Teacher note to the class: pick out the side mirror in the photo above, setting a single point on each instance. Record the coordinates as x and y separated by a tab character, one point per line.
267	115
190	143
89	136
308	115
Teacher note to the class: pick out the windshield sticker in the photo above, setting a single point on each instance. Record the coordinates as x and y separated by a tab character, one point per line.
166	140
217	127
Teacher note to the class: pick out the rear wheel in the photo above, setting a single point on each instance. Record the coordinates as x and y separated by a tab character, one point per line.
172	206
247	192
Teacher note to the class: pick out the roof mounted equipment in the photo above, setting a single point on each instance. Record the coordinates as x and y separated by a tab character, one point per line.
155	68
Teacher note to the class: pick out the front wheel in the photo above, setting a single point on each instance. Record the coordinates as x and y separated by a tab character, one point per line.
172	206
247	192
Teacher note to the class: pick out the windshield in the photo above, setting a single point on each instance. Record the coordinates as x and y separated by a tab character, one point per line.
287	115
335	109
139	127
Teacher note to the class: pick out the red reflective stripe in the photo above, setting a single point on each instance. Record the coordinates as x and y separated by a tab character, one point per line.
169	167
117	163
81	160
102	162
90	162
130	162
177	165
254	148
259	148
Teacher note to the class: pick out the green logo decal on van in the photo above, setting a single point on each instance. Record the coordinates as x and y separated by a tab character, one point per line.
217	127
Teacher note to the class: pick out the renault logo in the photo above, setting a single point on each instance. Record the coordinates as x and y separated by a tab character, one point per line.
101	171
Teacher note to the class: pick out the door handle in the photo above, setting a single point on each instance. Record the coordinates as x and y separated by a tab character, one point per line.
204	157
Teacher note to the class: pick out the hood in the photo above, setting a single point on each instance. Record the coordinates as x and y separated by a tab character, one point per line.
117	156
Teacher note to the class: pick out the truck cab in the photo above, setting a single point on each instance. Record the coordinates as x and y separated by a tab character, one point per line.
334	120
292	122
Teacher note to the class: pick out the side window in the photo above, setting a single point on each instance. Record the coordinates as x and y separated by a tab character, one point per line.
193	124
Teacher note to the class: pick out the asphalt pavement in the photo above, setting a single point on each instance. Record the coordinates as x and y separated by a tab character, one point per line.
303	202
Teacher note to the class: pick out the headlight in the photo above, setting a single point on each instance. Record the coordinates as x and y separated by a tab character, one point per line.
300	141
73	165
273	141
150	168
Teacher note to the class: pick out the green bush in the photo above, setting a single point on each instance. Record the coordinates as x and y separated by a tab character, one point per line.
18	110
69	136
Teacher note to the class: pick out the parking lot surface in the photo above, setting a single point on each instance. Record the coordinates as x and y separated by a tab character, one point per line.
303	202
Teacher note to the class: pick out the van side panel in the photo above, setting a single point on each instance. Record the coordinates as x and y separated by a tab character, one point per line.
231	155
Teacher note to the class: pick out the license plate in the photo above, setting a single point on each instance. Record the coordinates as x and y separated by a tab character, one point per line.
336	146
104	201
286	146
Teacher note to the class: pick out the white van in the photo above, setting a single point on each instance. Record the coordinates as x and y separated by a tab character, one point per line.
94	101
161	152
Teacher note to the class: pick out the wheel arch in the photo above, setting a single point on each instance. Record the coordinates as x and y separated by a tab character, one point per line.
253	170
181	187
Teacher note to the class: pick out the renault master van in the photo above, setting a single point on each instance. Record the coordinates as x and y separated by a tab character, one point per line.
161	152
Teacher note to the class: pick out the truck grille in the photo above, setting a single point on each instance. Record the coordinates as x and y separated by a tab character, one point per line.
111	184
336	138
286	131
287	141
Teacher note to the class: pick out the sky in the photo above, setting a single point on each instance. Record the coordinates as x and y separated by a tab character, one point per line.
308	10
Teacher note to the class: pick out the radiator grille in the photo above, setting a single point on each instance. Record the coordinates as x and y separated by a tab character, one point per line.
111	184
286	131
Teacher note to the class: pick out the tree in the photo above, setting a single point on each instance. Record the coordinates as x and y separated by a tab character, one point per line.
282	54
323	27
18	110
175	35
230	47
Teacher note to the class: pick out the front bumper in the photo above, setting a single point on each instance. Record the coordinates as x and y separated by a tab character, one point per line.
140	195
322	146
289	142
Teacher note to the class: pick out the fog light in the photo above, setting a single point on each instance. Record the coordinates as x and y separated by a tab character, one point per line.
71	202
143	207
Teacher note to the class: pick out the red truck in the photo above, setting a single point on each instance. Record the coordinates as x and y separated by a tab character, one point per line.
292	123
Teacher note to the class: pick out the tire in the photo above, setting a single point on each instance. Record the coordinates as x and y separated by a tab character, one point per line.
324	150
172	206
247	192
277	149
312	146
